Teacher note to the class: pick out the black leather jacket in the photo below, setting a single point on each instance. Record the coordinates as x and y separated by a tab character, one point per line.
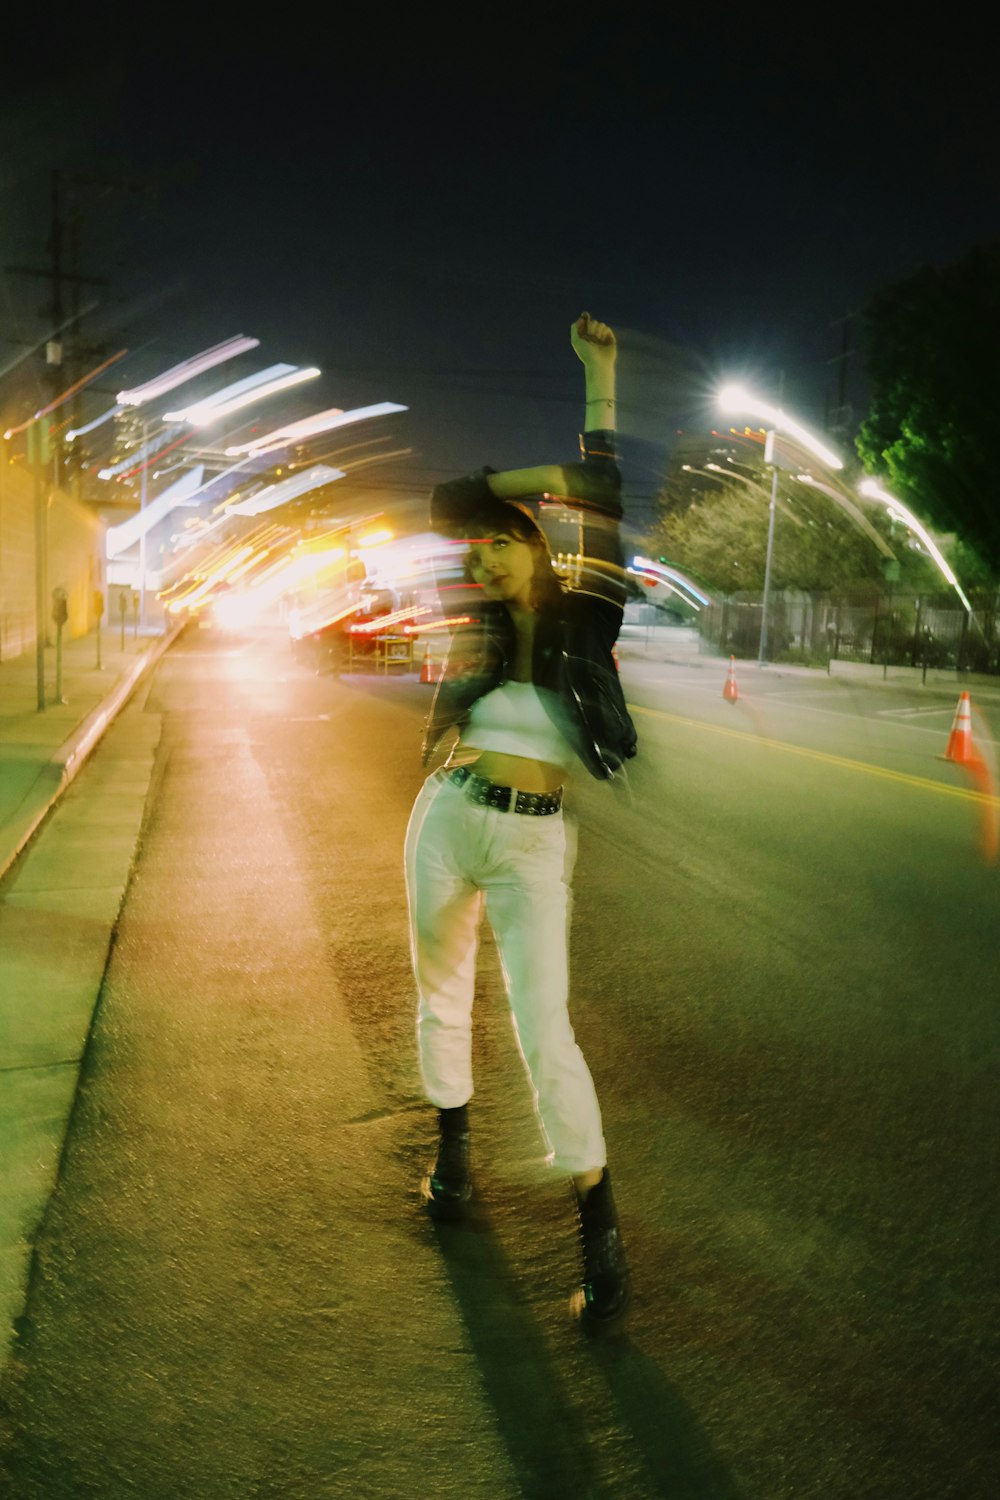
573	639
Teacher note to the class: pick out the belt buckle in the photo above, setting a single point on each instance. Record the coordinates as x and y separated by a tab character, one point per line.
494	795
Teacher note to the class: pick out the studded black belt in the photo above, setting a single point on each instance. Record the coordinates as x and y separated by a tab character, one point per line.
490	794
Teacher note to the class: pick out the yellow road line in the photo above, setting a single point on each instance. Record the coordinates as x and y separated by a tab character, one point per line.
922	783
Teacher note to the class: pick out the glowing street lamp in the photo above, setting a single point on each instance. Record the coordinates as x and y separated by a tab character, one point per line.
736	398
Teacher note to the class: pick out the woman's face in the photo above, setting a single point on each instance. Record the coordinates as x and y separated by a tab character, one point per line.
504	566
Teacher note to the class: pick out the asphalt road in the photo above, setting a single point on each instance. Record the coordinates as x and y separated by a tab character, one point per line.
785	981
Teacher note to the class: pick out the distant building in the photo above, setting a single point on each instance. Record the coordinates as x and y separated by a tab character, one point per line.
698	460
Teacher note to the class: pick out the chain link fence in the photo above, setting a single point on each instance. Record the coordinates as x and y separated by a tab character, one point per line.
892	629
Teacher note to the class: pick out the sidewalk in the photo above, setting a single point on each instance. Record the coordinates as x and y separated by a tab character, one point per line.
41	751
59	902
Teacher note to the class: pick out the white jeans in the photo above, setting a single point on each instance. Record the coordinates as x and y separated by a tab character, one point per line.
459	856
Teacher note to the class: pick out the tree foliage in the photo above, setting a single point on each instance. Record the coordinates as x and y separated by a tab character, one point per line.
931	359
721	538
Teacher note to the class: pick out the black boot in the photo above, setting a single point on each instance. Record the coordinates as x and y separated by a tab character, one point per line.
604	1297
448	1185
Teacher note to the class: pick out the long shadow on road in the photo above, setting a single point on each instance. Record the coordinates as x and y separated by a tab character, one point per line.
544	1438
543	1430
665	1430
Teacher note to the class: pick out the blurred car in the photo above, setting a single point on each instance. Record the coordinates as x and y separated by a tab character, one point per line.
326	639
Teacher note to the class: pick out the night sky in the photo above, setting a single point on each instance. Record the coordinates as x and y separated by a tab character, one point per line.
422	207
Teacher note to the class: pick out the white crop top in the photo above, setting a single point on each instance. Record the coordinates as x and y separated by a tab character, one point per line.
512	720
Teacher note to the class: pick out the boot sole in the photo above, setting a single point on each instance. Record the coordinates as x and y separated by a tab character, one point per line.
593	1324
445	1210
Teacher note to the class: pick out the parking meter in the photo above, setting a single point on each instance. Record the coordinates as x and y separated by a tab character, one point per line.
98	616
60	614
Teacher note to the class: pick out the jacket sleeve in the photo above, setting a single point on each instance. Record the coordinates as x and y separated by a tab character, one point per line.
595	483
594	488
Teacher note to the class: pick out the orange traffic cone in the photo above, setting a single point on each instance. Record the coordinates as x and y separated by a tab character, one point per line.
731	692
427	670
960	747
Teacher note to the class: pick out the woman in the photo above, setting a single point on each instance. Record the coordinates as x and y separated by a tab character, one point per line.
538	692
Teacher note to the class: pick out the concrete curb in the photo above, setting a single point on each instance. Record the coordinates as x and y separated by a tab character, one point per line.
74	752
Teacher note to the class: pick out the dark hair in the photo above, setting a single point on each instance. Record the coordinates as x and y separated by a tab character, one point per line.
509	518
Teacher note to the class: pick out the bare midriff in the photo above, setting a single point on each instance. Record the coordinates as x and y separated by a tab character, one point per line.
510	770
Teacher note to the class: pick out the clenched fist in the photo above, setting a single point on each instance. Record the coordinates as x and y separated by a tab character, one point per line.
594	342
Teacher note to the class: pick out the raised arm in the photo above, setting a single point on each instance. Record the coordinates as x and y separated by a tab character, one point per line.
597	348
595	345
595	482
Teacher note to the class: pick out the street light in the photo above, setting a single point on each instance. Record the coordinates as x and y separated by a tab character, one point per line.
736	398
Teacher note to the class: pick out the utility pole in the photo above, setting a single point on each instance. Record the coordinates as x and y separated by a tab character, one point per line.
771	457
839	418
61	281
38	458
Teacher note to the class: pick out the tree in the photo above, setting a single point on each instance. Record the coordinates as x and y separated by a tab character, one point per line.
931	357
721	538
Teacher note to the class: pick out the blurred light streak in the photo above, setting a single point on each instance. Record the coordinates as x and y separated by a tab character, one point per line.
336	455
216	478
161	452
297	629
112	411
201	587
658	569
187	370
450	624
386	622
736	398
119	538
856	515
377	458
289	489
71	391
983	774
145	453
872	488
375	538
663	582
324	421
285	576
241	393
